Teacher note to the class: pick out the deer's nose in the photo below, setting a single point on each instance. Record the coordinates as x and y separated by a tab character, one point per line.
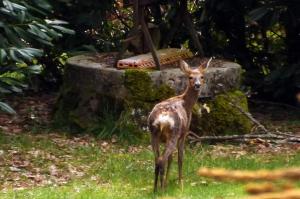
197	85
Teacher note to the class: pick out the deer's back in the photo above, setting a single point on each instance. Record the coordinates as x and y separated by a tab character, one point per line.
170	111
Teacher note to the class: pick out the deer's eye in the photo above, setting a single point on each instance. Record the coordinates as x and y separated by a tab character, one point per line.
190	77
202	77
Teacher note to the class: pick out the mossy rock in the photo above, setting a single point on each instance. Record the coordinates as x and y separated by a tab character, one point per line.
223	118
88	111
82	110
141	87
96	96
143	94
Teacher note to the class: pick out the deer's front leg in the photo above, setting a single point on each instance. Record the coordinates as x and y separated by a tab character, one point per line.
180	160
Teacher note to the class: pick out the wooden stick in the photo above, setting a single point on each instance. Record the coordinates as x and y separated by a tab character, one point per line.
136	14
289	194
149	40
121	19
244	138
292	174
249	116
234	137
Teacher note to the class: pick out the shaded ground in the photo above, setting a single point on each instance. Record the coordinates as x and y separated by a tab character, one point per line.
276	115
33	113
37	163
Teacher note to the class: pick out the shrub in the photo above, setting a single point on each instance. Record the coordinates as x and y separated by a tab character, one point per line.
26	30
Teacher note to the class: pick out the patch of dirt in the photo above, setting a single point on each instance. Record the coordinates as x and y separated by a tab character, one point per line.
254	148
32	111
276	116
36	160
22	167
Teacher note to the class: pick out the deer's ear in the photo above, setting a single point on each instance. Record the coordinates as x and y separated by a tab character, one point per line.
204	66
184	67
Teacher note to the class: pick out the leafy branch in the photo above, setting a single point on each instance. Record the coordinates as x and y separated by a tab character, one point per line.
26	28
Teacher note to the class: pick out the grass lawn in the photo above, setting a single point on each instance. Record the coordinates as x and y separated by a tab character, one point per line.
58	166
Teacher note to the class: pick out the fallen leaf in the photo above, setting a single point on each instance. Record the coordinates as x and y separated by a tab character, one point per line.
14	169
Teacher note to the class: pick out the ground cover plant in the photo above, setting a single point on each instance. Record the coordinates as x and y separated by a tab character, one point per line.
59	166
39	162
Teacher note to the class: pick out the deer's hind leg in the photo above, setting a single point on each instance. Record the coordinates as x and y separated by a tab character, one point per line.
180	160
155	147
168	168
170	147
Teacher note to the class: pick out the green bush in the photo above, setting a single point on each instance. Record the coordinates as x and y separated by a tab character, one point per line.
27	30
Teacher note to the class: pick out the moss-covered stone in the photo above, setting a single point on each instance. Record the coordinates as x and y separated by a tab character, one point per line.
88	111
143	95
223	119
118	102
141	88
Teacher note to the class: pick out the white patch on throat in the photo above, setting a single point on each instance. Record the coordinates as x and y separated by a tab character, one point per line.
165	119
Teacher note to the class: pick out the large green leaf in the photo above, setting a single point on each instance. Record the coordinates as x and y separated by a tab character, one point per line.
3	56
35	69
6	108
258	13
26	27
63	29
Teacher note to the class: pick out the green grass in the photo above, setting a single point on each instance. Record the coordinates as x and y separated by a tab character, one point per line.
121	171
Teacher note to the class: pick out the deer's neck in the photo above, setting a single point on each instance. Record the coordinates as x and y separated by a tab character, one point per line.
190	97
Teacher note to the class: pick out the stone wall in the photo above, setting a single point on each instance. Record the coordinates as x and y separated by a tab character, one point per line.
92	88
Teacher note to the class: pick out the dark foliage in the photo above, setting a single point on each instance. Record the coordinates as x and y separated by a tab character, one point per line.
262	35
27	33
94	23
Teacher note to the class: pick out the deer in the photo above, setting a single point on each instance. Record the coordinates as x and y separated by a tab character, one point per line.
169	123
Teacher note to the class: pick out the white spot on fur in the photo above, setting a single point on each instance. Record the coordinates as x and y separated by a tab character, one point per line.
165	119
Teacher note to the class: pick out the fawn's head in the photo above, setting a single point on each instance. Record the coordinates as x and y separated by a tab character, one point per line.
196	76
